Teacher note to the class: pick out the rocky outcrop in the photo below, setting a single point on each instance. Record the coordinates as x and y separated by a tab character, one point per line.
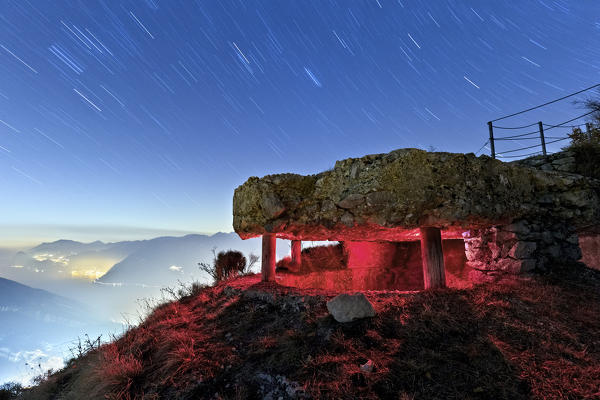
563	161
581	159
387	196
514	217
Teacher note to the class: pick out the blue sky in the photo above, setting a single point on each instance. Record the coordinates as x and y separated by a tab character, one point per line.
148	114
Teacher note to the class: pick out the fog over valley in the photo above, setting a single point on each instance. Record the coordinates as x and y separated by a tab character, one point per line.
71	289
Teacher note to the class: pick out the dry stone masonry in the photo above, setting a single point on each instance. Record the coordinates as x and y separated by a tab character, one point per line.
563	161
519	248
513	217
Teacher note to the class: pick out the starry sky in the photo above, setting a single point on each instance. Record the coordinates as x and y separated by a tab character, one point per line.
139	117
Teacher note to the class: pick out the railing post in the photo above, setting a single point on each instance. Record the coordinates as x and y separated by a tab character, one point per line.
542	137
491	128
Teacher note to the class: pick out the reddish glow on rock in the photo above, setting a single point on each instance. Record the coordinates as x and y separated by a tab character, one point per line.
354	266
368	232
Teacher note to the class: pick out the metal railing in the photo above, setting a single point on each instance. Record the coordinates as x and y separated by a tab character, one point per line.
538	134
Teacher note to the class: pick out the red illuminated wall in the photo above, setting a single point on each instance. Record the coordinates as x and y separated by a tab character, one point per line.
376	254
380	266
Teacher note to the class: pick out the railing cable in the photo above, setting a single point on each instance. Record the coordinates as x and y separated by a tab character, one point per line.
518	136
481	148
571	120
522	148
542	127
514	127
545	104
558	140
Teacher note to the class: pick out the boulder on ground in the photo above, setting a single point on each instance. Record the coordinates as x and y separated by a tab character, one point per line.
349	307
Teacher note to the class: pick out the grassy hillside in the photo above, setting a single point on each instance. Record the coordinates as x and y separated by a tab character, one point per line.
533	338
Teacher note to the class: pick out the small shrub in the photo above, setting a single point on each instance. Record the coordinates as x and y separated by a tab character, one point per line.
586	147
10	390
228	264
191	290
591	136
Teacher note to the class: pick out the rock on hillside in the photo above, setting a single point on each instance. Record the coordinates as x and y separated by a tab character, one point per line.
385	196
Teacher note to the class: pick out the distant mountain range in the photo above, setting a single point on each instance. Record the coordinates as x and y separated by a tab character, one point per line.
161	261
98	283
36	327
166	260
70	246
23	302
112	277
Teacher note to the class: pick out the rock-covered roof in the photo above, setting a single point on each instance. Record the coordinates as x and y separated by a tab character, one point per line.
389	196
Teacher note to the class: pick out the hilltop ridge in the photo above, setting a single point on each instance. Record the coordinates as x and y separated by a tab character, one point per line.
529	337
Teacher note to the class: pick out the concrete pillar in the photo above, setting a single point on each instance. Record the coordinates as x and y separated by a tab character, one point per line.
269	241
432	256
297	253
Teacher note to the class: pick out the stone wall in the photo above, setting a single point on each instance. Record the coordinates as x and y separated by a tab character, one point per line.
562	161
521	247
582	159
588	239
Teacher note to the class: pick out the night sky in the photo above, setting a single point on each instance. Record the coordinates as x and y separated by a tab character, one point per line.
148	114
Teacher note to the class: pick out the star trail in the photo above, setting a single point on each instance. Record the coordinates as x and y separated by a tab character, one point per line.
149	113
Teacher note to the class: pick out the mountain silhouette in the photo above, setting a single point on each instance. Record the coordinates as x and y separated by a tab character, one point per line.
165	260
35	326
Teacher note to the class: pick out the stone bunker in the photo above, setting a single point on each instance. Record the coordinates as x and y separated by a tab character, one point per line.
409	218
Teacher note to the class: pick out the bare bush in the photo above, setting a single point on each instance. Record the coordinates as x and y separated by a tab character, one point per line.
591	134
227	264
81	348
